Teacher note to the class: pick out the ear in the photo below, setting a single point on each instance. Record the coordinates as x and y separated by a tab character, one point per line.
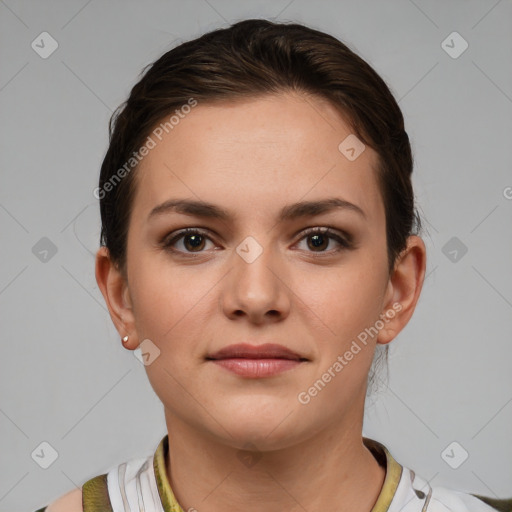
403	289
114	287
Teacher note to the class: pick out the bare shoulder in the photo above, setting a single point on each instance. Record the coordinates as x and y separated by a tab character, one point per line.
69	502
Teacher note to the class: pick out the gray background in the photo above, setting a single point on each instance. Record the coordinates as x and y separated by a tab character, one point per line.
65	377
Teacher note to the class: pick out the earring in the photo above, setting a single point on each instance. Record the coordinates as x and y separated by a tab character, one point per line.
125	339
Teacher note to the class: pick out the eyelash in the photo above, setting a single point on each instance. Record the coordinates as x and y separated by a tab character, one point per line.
345	242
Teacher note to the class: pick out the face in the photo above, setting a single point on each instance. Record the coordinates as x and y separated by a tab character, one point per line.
257	268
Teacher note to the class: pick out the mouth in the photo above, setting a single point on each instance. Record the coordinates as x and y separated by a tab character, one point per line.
246	351
256	361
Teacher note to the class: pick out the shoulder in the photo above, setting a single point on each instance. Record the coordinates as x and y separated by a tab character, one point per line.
501	504
93	495
415	494
108	492
69	502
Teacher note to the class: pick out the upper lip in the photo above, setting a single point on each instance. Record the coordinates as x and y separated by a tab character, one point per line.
266	351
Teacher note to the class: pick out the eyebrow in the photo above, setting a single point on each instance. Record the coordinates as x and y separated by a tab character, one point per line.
290	212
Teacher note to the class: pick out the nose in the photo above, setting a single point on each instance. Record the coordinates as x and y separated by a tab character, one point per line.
256	289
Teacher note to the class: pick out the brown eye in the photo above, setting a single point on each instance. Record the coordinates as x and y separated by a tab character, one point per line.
193	242
191	239
318	240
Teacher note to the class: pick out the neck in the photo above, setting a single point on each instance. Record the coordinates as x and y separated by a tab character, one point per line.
332	471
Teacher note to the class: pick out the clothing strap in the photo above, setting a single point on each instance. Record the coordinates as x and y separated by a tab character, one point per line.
95	497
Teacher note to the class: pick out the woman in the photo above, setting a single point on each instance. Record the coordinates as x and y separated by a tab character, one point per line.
260	247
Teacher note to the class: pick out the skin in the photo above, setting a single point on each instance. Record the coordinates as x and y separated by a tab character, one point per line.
252	158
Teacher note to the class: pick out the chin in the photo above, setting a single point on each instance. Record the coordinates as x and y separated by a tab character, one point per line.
265	432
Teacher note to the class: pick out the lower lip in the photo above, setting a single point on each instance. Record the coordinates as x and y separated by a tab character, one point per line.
257	367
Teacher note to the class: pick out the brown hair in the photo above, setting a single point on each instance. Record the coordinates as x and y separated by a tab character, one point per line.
248	59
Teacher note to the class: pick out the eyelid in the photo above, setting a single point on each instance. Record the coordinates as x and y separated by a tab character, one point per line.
327	230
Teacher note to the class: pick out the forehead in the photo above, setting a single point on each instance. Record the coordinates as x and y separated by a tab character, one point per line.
257	154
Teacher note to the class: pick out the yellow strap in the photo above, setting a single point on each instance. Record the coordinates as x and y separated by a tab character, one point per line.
95	496
393	474
169	501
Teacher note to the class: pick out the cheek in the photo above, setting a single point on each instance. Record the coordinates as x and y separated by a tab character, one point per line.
347	299
168	301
